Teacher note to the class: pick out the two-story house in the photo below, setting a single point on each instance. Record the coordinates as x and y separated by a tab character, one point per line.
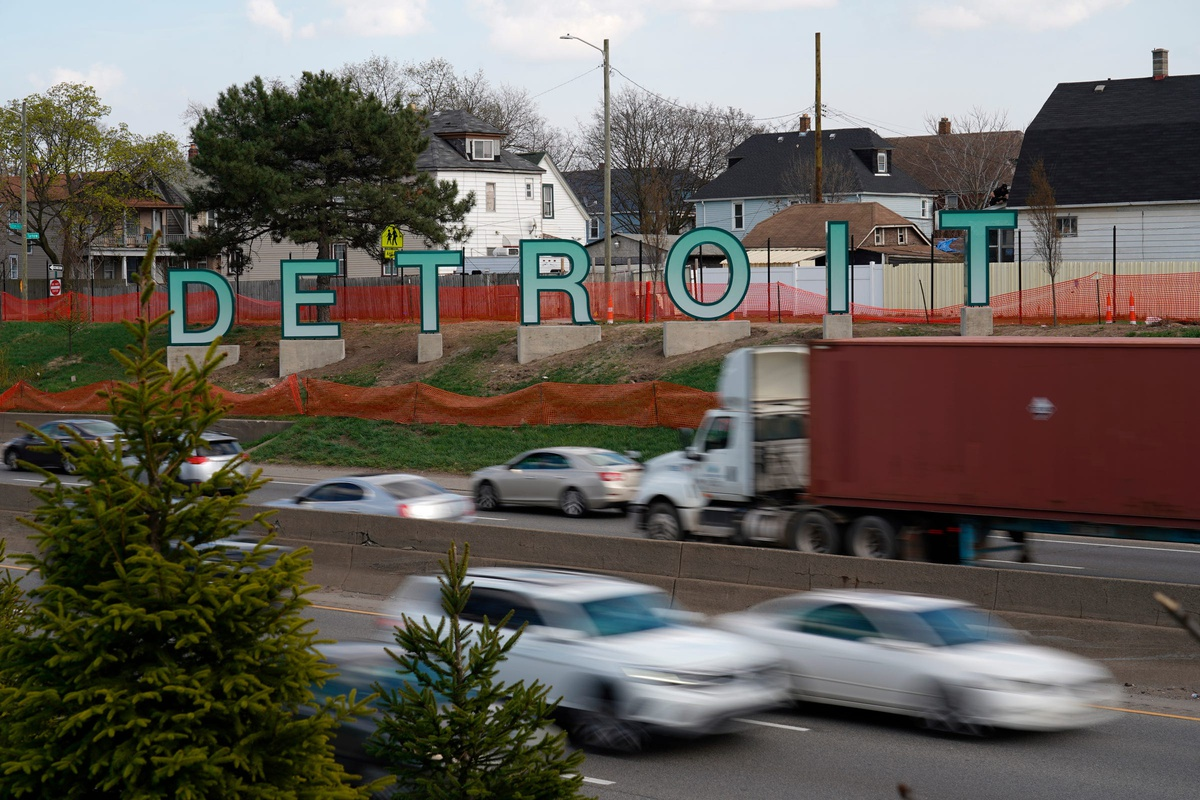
1122	159
771	171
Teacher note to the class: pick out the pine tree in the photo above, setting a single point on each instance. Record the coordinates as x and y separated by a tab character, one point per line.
455	731
153	665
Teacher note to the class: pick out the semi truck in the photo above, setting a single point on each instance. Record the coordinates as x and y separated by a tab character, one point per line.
919	447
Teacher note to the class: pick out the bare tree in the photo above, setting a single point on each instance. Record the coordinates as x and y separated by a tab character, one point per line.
1047	235
838	179
657	141
969	157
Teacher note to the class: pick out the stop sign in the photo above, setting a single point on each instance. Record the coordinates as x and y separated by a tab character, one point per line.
55	287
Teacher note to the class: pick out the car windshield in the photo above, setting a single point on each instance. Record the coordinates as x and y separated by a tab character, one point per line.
629	613
414	487
958	626
98	429
607	459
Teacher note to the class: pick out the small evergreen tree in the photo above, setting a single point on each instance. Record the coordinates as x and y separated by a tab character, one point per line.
154	665
455	731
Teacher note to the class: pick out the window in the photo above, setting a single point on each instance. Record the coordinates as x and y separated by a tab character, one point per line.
838	622
879	236
495	605
483	149
881	159
547	201
555	461
739	216
594	228
1068	226
529	188
1002	246
924	209
14	272
951	201
109	270
717	435
29	247
489	197
901	236
339	255
334	493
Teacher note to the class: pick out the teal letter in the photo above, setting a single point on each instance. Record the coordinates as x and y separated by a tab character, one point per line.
977	224
837	267
675	274
428	261
294	297
177	300
533	283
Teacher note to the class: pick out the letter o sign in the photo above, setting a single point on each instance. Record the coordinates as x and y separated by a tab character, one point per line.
675	275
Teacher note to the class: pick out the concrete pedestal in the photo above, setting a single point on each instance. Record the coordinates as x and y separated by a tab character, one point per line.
535	342
976	321
177	355
297	355
688	337
837	326
429	347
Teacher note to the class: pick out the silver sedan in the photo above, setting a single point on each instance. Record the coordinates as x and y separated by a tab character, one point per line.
574	480
394	495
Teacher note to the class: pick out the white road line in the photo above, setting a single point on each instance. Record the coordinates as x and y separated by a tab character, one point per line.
597	781
1183	548
1032	566
493	519
773	725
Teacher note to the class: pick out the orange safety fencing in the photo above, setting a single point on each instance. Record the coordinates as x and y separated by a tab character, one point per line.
640	405
1169	296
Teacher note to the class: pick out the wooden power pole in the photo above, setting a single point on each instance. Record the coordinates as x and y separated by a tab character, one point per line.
818	190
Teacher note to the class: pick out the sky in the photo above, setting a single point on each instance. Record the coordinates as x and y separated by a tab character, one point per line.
886	64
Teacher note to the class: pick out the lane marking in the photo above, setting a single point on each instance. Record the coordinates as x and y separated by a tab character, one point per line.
348	610
14	566
1150	713
493	519
1184	548
597	781
1034	565
772	725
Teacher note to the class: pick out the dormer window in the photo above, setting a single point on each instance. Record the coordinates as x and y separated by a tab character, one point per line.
483	149
881	162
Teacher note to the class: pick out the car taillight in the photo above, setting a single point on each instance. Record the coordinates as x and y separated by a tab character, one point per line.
610	476
402	509
197	459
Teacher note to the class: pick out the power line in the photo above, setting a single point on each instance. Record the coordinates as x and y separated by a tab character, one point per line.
694	110
564	83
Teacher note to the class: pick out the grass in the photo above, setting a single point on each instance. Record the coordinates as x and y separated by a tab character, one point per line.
369	444
37	351
1189	332
463	373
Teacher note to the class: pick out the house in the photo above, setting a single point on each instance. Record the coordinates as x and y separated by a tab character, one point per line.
878	235
516	197
631	249
1122	159
626	187
771	171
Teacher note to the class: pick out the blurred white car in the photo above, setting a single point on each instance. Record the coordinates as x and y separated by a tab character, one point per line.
943	661
625	663
574	480
391	495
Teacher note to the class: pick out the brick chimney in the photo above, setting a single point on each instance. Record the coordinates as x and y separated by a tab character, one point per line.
805	121
944	126
193	151
1159	62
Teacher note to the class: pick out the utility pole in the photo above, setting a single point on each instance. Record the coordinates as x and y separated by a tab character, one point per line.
24	207
818	189
607	190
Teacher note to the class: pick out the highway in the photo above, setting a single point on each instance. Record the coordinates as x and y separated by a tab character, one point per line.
1070	555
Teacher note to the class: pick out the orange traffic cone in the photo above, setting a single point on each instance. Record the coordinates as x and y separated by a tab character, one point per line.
1132	313
610	311
1108	309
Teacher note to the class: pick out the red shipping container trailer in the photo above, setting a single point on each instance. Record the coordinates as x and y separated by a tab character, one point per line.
1078	431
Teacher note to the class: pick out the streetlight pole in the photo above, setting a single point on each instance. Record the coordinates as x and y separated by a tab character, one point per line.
24	210
607	177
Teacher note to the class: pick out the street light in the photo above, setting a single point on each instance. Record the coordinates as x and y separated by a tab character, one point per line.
607	177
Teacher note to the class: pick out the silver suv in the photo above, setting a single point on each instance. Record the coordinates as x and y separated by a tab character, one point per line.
625	663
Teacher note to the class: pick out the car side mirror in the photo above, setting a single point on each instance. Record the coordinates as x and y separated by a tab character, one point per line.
691	454
634	454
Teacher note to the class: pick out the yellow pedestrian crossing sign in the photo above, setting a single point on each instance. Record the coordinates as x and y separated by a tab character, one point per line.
391	241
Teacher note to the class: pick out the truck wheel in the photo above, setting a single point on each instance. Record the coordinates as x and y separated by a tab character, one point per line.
814	532
663	523
871	537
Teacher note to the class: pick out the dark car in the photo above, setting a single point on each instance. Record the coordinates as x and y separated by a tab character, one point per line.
32	448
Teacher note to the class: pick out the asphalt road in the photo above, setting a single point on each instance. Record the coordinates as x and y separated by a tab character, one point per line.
1071	555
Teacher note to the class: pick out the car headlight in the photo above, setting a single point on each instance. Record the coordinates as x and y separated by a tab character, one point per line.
669	678
998	684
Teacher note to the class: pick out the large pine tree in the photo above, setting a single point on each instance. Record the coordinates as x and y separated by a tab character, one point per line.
152	665
455	730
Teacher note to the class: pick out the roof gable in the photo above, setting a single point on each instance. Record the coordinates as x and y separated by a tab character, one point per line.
803	225
1131	141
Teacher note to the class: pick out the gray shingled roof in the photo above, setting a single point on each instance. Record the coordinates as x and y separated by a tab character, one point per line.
759	166
444	122
440	155
1134	141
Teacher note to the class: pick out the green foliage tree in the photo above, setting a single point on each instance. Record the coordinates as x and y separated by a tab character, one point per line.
81	171
317	163
154	664
455	730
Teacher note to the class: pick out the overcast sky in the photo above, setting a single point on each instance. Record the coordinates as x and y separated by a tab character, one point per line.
887	64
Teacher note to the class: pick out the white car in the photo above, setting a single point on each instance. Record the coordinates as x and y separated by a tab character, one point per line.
625	664
946	662
575	480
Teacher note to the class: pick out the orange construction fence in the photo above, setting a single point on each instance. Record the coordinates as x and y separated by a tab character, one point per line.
640	405
1168	296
